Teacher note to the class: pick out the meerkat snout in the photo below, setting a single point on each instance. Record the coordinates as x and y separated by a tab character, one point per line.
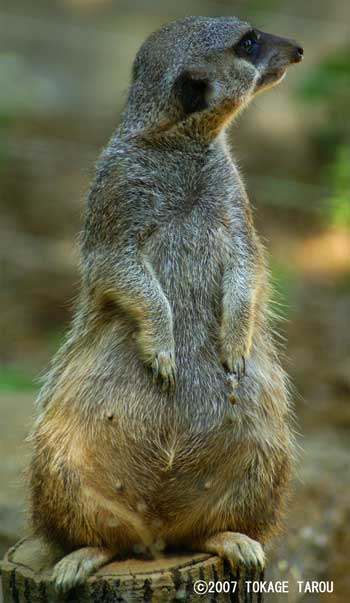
298	54
273	57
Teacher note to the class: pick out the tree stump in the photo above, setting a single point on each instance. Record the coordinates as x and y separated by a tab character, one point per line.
27	567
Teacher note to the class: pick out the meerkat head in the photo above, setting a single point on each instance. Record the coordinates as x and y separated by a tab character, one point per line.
201	71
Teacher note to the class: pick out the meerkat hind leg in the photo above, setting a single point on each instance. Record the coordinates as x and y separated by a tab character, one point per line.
238	549
76	567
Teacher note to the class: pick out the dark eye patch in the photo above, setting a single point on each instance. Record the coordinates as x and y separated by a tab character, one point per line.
249	46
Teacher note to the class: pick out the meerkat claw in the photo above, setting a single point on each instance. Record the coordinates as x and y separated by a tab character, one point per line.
238	549
155	370
239	368
69	573
76	567
236	368
164	372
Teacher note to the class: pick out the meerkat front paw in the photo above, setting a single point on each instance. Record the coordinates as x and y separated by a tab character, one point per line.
238	549
236	367
159	355
164	370
234	360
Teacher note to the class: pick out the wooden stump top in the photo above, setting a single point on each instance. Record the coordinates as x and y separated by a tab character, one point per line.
27	568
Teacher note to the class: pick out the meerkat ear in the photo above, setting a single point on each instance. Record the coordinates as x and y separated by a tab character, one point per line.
191	89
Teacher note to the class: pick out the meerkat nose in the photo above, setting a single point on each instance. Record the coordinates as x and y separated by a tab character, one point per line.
298	54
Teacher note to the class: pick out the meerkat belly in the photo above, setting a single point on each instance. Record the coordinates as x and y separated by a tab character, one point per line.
169	477
171	458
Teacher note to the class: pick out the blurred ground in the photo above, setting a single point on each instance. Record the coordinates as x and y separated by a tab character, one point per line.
64	69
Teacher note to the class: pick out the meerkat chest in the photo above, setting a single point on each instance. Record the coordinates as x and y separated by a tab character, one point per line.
190	202
189	253
195	208
202	224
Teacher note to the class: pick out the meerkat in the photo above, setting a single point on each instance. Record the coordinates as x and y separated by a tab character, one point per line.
165	421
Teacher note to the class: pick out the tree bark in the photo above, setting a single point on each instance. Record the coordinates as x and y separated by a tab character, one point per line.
27	567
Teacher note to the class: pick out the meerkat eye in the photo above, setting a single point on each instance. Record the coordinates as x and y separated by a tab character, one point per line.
249	44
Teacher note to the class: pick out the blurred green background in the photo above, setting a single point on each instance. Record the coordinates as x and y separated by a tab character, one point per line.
64	71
